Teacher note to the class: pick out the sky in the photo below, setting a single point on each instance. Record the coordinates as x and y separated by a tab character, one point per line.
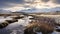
30	5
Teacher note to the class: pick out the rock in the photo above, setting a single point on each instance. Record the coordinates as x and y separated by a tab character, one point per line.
12	21
18	17
7	22
3	25
58	30
57	24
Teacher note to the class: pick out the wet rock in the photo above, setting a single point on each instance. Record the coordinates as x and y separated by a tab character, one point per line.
58	30
57	24
18	17
7	22
12	21
3	25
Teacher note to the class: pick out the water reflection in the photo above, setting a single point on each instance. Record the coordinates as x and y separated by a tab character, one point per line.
17	27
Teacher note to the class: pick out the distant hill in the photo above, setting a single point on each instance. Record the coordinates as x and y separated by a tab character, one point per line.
4	11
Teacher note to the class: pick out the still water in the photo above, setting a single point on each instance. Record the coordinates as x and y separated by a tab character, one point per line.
17	27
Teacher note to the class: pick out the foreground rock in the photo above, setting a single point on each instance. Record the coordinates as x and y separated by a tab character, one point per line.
58	30
3	25
6	23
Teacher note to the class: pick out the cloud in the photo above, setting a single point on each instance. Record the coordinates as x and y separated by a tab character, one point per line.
10	3
45	0
30	3
56	1
53	1
42	5
35	10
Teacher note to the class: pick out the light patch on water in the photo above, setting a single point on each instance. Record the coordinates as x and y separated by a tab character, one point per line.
2	19
16	28
14	32
8	18
56	32
24	22
38	32
52	33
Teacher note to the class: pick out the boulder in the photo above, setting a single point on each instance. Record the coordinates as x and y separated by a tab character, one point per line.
3	25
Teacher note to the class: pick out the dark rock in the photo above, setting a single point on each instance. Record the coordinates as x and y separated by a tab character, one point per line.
6	23
12	21
57	24
3	25
18	17
58	30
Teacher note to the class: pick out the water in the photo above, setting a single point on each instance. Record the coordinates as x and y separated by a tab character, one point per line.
2	19
17	27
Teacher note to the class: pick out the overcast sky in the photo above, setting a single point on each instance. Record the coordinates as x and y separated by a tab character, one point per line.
19	5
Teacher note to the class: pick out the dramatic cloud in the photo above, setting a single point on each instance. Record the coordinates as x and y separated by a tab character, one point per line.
12	3
15	5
